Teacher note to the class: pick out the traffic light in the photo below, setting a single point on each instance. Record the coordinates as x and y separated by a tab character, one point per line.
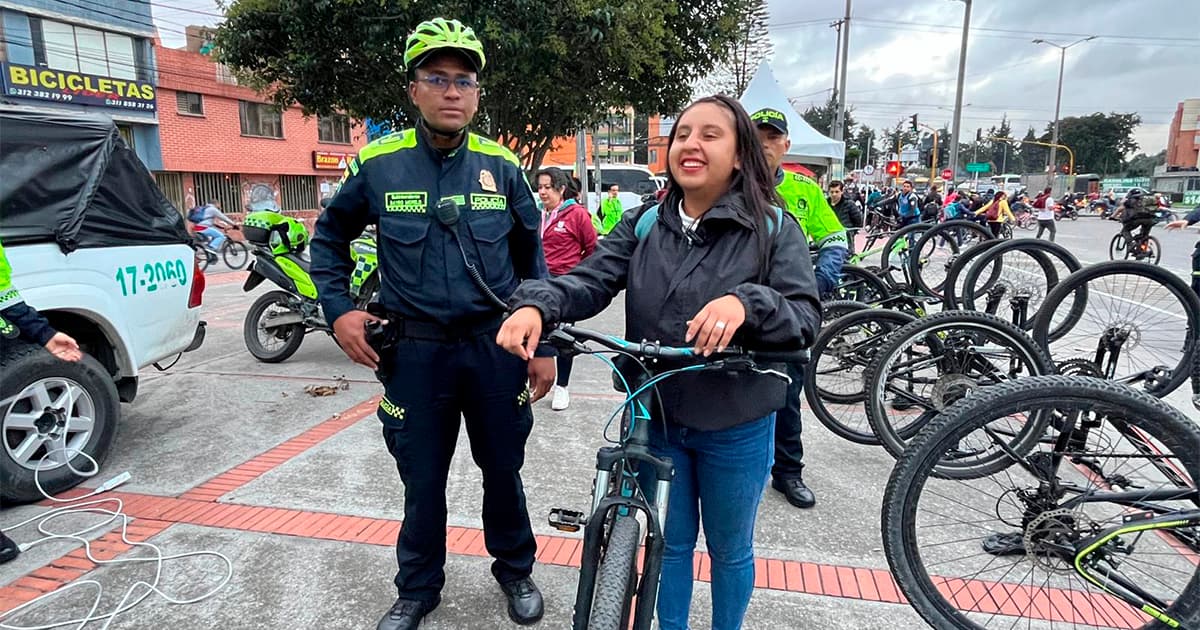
914	122
893	169
979	135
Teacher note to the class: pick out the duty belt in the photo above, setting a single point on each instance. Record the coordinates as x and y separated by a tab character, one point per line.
400	327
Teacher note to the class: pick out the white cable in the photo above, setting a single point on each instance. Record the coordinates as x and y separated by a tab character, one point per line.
90	507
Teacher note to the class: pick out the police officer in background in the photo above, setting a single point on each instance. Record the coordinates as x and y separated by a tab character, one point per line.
441	360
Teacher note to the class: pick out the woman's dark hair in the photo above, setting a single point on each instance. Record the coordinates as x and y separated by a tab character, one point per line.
1047	191
999	195
558	179
754	180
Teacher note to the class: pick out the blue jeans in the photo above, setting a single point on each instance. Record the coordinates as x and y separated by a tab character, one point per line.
719	477
828	268
215	237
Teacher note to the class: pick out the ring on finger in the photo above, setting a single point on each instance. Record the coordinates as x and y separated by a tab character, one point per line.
720	325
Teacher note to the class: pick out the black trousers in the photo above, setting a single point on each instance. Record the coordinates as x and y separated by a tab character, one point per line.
1047	224
789	450
428	386
1196	269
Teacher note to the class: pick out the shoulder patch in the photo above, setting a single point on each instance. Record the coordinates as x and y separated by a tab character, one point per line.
405	139
486	146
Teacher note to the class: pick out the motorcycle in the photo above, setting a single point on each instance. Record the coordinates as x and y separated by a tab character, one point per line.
278	321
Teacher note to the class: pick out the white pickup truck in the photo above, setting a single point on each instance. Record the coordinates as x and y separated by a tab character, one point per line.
98	250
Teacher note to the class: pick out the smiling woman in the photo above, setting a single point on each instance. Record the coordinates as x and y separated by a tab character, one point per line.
713	265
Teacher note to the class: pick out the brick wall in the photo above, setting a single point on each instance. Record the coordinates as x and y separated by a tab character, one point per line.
214	143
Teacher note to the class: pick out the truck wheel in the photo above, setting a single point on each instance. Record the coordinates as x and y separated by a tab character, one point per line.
272	345
50	410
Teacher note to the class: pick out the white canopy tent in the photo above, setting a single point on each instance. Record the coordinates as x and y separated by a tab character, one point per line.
808	145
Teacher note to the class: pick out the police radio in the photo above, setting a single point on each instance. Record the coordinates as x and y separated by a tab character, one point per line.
448	215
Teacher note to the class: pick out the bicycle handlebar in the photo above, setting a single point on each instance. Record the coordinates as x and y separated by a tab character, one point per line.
568	337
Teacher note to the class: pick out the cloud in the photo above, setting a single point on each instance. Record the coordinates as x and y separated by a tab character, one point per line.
904	60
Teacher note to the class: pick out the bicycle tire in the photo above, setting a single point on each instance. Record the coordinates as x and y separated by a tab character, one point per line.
819	399
834	309
955	227
233	251
616	576
950	300
1042	252
860	285
1078	282
1118	244
921	462
886	262
894	440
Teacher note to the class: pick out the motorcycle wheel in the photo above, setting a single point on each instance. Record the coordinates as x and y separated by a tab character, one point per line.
284	340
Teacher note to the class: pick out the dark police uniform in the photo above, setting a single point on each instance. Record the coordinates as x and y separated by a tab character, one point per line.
446	361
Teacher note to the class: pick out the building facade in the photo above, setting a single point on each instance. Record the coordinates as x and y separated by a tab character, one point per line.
624	139
1183	143
225	142
86	57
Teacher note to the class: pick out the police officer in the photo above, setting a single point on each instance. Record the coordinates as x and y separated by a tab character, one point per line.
18	320
806	202
443	362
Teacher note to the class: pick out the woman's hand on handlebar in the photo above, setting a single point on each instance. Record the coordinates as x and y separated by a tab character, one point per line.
713	327
520	332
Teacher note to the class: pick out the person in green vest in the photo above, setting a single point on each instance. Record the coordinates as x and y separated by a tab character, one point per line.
610	210
19	320
805	200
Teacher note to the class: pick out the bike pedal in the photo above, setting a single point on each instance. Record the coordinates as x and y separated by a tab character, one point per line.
567	520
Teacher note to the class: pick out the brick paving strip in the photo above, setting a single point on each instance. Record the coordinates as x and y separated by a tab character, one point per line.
200	506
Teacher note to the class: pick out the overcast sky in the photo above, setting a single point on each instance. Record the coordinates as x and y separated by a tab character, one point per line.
904	58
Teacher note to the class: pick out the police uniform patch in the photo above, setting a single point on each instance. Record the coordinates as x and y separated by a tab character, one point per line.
487	181
391	408
405	201
488	202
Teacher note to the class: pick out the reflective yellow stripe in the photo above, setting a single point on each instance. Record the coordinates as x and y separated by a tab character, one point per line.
353	164
479	144
390	143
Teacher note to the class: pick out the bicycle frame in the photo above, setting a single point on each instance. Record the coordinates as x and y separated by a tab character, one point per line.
613	493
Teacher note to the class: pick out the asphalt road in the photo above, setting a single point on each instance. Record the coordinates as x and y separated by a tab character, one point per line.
220	436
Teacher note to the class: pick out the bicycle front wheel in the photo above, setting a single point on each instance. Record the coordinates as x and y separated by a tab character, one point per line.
616	578
235	254
1000	550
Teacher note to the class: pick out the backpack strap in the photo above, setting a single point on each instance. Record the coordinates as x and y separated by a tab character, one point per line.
645	222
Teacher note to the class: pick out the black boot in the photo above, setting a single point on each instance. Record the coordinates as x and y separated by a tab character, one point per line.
406	614
524	601
795	491
8	549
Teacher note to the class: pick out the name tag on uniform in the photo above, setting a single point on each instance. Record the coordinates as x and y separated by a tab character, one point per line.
405	201
488	202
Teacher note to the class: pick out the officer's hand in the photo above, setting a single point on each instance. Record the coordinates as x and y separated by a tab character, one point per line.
351	333
541	376
714	325
520	332
62	346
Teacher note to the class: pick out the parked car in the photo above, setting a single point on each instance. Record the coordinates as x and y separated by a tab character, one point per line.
98	249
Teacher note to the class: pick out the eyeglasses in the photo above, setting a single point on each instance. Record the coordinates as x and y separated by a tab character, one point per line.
440	83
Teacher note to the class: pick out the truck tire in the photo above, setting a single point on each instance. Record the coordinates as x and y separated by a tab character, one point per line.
34	391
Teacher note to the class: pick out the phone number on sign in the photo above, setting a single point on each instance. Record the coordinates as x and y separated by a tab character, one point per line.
112	102
53	96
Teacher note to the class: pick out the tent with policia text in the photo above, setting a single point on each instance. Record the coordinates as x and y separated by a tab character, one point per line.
809	146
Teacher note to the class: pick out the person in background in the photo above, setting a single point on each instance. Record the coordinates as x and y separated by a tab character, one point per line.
1192	218
908	205
1044	204
610	210
848	212
931	206
568	237
209	217
710	271
18	320
996	212
874	197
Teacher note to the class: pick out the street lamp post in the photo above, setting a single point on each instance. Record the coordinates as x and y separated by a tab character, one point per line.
958	93
1062	62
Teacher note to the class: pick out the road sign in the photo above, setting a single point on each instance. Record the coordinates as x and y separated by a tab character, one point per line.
910	155
868	170
947	173
979	167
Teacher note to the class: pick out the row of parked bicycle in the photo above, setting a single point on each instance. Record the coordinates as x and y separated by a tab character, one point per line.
1041	480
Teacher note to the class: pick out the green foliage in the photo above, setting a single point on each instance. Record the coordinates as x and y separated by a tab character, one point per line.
1142	165
821	118
1100	141
552	66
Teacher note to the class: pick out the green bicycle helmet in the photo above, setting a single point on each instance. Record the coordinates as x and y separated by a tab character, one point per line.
440	33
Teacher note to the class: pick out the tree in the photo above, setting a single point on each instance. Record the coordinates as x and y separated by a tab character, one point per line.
732	76
1100	141
862	144
1142	165
821	118
1000	153
1034	156
552	67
